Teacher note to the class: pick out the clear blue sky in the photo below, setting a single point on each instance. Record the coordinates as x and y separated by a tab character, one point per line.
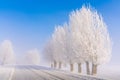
29	23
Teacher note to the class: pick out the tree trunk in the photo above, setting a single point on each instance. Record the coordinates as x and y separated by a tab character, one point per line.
71	67
55	64
60	65
51	65
87	68
94	69
79	68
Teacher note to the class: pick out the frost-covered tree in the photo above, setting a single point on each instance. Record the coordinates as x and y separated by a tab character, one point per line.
63	46
48	53
93	39
70	56
7	56
59	48
56	47
58	39
32	57
101	48
84	39
80	24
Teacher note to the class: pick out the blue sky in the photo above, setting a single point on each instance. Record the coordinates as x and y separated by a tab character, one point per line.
29	23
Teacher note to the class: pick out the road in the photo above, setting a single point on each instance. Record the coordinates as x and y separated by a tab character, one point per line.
39	73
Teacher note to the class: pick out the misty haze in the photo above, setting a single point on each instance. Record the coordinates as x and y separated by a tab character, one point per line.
59	40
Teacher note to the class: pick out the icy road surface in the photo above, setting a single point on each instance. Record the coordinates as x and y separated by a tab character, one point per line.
39	73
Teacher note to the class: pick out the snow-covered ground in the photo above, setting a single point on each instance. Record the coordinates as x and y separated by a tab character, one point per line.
39	73
109	72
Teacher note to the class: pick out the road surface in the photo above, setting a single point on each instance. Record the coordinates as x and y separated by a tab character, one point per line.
39	73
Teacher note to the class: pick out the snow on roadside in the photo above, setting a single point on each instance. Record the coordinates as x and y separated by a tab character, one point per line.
5	72
110	73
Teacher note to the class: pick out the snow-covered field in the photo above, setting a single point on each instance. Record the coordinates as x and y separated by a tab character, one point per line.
39	73
110	73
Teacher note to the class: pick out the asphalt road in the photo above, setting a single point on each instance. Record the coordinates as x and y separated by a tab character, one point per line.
39	73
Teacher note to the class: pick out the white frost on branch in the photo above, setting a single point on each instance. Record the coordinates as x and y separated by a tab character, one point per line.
84	39
90	36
